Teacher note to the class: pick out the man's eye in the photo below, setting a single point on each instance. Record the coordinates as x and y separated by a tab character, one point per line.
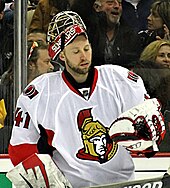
75	51
47	61
86	49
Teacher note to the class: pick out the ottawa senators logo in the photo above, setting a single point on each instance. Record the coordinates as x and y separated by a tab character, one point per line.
98	145
30	91
132	76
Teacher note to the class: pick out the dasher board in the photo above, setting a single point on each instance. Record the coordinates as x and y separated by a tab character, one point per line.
159	182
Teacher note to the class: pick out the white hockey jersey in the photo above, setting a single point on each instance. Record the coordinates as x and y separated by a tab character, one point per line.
78	126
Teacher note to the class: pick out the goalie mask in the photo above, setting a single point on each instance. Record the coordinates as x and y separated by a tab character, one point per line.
63	28
140	129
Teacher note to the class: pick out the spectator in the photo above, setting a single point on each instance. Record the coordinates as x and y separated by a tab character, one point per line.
135	13
7	76
69	114
158	23
38	60
157	52
154	61
44	12
113	42
37	35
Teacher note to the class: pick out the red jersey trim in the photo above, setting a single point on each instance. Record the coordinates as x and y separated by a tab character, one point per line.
94	81
74	90
69	84
20	152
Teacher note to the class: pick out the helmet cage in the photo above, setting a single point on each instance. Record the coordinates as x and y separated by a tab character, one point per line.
65	23
61	22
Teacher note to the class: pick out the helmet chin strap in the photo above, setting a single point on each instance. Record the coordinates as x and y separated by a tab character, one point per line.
62	41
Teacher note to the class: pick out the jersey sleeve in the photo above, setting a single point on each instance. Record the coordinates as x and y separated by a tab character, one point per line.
25	132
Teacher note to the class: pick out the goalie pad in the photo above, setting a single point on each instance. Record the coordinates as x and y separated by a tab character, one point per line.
38	170
140	129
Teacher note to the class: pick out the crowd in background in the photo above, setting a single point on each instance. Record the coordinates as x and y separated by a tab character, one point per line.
130	33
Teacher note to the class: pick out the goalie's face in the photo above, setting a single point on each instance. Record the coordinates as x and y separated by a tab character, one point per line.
77	57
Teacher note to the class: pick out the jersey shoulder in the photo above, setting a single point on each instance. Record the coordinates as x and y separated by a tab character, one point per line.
120	73
41	85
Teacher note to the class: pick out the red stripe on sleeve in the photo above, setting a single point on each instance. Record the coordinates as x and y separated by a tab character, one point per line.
20	152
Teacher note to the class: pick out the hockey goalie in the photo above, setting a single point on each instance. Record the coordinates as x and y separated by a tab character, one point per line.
140	130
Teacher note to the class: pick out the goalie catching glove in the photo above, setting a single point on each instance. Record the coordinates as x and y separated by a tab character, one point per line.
140	129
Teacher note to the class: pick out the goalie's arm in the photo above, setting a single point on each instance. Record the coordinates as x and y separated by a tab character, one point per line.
18	153
30	111
27	137
22	151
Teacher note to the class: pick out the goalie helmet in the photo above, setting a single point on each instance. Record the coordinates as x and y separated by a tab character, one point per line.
140	129
63	28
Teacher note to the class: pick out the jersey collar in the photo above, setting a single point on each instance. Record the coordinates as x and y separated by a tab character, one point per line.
89	83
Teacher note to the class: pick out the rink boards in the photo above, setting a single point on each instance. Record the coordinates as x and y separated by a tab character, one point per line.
145	169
